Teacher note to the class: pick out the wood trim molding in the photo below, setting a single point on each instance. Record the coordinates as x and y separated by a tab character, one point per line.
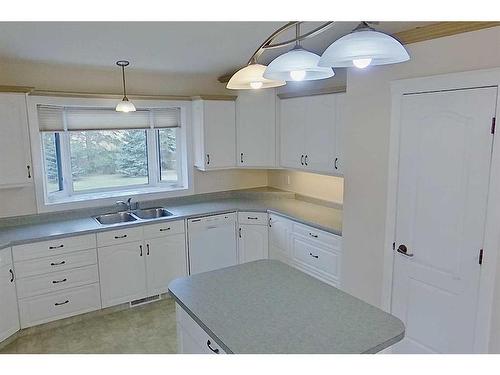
439	30
106	96
215	97
22	89
324	91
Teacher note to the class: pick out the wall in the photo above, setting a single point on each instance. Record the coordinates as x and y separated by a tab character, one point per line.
328	188
15	202
368	106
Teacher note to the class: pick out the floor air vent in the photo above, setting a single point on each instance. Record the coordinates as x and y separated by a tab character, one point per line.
142	301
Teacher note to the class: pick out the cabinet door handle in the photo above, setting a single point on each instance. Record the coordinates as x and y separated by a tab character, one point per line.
29	171
61	303
215	350
56	247
305	160
58	263
208	159
302	159
335	163
241	158
164	229
239	232
313	235
122	236
11	275
59	281
147	247
140	248
270	225
314	256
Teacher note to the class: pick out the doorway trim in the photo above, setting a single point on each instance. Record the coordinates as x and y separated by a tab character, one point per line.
446	82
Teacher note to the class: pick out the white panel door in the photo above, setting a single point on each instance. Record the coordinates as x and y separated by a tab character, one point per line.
15	163
219	124
256	128
320	133
252	243
9	317
444	165
292	120
165	261
122	272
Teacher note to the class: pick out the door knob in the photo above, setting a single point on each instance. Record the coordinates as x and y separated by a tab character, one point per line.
402	249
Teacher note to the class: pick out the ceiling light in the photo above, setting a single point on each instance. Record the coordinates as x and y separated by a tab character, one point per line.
125	105
362	47
251	77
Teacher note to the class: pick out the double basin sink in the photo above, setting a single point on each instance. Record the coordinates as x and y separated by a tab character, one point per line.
129	216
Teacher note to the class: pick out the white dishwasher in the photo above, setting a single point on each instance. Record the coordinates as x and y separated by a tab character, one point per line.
212	242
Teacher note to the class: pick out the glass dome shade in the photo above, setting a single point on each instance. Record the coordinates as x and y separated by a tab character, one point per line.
125	106
381	48
250	77
297	64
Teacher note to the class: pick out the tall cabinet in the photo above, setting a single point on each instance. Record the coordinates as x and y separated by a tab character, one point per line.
15	158
310	130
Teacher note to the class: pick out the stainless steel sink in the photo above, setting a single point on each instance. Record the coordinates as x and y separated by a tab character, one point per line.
152	213
119	217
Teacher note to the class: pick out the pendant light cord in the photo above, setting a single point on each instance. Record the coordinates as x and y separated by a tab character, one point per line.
124	87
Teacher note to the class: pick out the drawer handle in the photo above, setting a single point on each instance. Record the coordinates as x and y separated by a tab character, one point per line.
11	275
252	218
58	263
313	235
215	350
59	281
56	247
164	229
118	237
61	303
314	256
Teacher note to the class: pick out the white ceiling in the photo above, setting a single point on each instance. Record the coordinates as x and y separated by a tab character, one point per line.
173	47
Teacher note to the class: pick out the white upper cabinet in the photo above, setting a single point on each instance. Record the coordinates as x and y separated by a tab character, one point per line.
15	160
308	133
214	124
256	128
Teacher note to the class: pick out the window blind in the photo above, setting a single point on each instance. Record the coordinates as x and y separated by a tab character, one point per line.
54	118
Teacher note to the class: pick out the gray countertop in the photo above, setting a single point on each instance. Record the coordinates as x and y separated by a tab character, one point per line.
318	216
269	307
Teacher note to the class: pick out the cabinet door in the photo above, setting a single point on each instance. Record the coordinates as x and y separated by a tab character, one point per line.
165	261
292	119
219	124
15	161
9	316
256	128
279	238
122	271
319	135
339	134
252	243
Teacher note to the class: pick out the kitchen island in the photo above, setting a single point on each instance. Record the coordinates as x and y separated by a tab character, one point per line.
269	307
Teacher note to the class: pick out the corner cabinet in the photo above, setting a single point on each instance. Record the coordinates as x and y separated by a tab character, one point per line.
310	132
256	129
214	127
9	315
15	158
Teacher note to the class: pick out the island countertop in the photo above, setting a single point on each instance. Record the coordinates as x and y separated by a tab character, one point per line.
269	307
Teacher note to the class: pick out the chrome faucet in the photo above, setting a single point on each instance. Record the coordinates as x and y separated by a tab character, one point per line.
127	204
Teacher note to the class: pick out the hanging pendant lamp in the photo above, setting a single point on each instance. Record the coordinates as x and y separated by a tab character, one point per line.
363	47
251	78
125	105
297	65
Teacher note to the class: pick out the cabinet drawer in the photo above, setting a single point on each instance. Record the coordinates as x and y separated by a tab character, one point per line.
325	238
259	218
53	247
326	261
55	263
58	305
52	282
119	236
163	229
203	342
5	257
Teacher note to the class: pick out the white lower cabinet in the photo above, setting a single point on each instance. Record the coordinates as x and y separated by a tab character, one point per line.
280	229
252	242
9	316
122	272
191	338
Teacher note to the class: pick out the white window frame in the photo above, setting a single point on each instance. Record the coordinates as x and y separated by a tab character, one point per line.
156	189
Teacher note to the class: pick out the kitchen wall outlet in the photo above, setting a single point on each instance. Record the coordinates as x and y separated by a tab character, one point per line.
287	179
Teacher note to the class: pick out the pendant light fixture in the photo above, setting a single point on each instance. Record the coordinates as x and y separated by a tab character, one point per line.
363	47
251	77
125	105
297	65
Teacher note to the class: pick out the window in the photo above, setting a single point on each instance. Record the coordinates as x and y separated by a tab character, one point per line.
89	152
